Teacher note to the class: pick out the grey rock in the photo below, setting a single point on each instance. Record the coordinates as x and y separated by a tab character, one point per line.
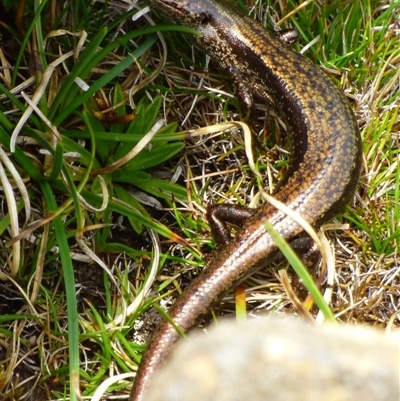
282	360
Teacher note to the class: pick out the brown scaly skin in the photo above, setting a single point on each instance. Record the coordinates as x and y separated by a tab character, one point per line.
326	158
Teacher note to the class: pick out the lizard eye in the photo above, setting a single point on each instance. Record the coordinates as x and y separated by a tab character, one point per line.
205	18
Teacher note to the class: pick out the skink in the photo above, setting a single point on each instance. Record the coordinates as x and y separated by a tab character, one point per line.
321	179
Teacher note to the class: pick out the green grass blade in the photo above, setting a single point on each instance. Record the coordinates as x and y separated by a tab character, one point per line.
70	292
301	271
105	79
